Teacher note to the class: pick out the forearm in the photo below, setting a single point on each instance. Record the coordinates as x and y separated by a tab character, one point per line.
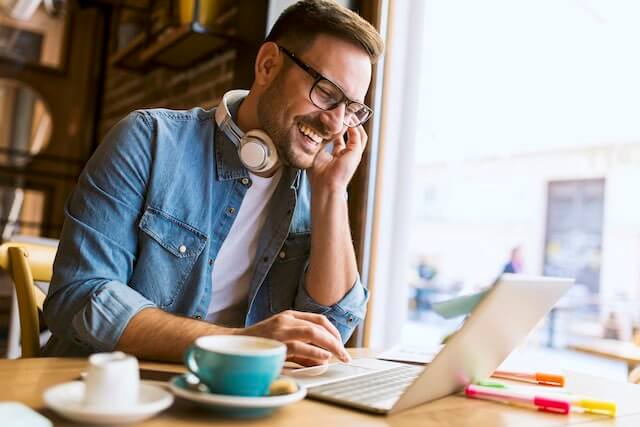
332	263
157	335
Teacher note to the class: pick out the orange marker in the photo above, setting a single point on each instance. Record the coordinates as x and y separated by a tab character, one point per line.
536	377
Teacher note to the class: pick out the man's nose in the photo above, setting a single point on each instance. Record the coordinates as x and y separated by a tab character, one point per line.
334	119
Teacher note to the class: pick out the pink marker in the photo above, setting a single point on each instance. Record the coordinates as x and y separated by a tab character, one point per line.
546	404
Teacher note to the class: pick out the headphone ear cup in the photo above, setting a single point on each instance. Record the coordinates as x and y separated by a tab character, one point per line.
257	151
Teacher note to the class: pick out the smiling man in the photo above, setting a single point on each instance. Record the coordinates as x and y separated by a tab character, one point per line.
230	221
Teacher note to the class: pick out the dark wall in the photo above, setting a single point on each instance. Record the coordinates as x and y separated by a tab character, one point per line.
70	95
200	86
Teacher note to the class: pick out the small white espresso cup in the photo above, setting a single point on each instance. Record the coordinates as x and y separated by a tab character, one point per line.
113	380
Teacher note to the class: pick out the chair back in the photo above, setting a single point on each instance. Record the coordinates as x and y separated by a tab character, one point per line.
27	263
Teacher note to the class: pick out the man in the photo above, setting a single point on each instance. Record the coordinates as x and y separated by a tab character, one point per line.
169	237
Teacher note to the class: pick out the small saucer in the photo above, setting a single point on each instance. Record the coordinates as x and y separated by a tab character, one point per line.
234	406
67	399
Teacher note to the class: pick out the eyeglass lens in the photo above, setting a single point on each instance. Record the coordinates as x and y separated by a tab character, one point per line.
327	96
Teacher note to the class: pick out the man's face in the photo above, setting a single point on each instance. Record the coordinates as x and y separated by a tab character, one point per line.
285	110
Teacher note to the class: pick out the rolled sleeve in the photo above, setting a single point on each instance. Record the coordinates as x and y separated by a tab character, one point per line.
101	322
345	315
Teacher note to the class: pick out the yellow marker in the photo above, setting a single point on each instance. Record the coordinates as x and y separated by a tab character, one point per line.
593	406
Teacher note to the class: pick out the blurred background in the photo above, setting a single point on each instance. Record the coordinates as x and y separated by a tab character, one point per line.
505	139
516	149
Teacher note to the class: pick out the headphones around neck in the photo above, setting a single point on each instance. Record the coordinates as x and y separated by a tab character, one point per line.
256	150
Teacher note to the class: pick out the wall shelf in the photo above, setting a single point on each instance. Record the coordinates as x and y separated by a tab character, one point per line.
183	46
176	44
129	56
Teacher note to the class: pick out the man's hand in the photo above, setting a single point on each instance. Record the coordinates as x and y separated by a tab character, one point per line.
334	171
310	338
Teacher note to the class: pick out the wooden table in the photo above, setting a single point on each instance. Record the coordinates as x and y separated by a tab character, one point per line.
624	351
24	380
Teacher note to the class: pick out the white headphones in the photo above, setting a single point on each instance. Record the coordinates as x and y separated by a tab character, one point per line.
255	148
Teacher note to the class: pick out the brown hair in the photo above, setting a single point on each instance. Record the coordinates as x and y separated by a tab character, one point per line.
301	22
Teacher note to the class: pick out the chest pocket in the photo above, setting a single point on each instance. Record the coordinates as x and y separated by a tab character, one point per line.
168	250
287	271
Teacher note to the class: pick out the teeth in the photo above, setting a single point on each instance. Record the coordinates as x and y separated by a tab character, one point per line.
310	133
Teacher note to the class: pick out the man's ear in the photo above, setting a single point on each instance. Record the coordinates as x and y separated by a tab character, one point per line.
268	63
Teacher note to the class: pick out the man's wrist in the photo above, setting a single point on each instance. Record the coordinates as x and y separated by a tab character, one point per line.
235	331
327	189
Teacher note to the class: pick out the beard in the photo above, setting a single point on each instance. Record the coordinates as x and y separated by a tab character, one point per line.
284	137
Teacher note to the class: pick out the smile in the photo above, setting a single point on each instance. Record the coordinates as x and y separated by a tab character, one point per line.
310	134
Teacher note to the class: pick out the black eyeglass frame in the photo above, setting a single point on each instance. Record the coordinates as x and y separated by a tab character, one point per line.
318	78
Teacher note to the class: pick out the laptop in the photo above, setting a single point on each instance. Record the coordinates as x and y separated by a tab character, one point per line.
496	326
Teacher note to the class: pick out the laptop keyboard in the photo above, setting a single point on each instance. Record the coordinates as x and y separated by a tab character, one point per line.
368	389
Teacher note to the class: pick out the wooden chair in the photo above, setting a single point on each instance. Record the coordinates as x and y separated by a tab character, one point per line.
634	375
27	263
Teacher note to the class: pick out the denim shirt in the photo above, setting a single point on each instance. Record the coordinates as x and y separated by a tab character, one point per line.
146	220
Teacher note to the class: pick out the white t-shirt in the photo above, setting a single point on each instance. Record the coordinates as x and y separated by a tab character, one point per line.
232	268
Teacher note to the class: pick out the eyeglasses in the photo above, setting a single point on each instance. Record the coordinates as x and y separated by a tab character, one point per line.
327	95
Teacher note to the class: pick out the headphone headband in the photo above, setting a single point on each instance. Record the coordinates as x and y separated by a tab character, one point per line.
223	115
255	148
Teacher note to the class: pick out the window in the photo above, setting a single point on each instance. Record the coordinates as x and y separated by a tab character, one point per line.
33	34
524	151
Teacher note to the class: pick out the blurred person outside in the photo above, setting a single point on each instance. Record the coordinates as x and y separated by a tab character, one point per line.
515	264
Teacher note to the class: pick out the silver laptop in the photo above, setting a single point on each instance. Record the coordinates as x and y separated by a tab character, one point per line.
499	323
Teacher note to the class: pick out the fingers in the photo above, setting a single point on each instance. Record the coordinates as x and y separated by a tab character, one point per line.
311	333
306	354
321	159
315	329
323	324
307	335
360	137
357	139
307	362
318	319
364	138
338	144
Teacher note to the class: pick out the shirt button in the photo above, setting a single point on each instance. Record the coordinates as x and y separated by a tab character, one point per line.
245	181
350	319
197	316
231	210
282	254
182	249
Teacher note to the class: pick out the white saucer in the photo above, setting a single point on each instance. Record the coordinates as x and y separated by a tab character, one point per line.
68	400
237	406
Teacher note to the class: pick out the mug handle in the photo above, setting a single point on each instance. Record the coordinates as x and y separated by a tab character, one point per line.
189	359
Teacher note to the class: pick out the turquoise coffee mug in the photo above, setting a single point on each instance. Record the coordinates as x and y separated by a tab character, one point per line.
234	364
